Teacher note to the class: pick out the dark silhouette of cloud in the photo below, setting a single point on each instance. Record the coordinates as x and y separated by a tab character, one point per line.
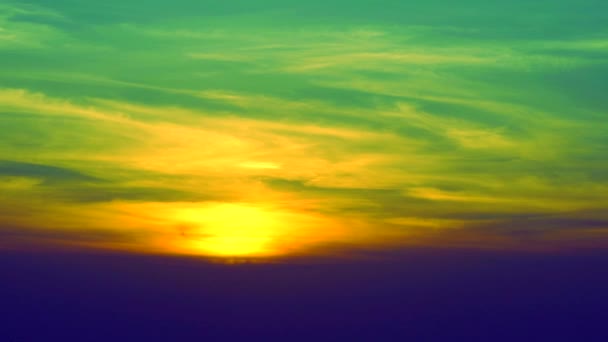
47	173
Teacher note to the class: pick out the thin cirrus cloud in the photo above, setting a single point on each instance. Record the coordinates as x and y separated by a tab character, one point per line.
357	126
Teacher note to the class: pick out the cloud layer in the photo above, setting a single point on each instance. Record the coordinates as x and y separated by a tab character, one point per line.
482	125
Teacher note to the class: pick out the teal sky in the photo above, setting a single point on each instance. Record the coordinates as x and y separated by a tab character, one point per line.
277	127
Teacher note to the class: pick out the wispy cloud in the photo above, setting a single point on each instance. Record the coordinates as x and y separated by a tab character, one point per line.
388	131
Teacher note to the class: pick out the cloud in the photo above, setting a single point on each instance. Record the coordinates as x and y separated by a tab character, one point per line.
20	237
399	128
585	229
28	27
49	174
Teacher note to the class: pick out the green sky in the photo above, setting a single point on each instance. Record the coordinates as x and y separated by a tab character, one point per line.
274	127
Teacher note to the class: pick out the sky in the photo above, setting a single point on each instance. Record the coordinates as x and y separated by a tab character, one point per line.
293	128
229	170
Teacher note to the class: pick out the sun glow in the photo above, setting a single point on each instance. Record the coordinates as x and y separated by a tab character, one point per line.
246	230
229	229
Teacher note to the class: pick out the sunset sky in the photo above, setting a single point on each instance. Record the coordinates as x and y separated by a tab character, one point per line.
277	128
303	170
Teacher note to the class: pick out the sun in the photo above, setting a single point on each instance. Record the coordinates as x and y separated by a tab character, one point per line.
229	230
